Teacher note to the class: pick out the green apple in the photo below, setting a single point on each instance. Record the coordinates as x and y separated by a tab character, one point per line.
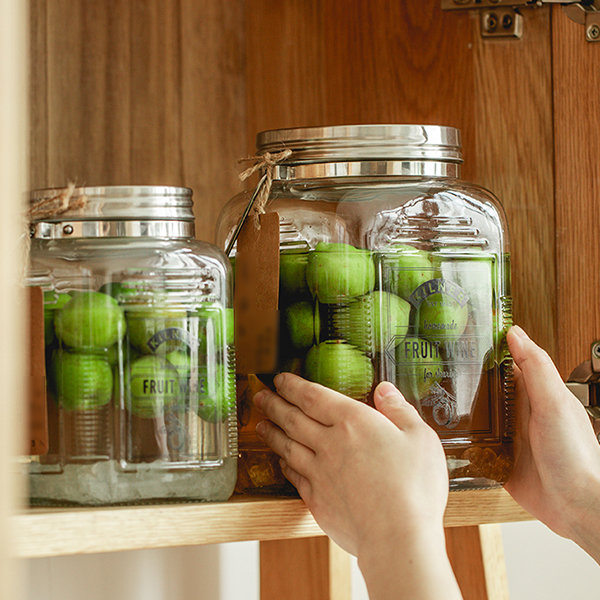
153	386
341	367
418	367
410	267
292	274
157	329
373	321
302	323
53	301
336	272
83	381
90	321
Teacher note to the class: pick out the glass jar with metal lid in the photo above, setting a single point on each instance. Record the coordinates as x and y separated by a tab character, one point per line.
391	268
138	339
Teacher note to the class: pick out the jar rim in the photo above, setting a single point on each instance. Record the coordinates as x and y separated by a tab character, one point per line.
364	142
118	202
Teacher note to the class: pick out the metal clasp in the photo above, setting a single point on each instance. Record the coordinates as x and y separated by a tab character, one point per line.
584	383
502	18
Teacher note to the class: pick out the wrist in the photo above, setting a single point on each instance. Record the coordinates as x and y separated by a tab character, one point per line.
583	521
408	562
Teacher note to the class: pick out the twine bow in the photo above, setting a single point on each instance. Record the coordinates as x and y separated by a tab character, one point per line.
265	162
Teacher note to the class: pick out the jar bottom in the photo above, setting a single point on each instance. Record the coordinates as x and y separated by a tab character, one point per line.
104	483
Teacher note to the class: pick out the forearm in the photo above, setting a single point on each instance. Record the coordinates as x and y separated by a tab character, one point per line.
417	568
585	521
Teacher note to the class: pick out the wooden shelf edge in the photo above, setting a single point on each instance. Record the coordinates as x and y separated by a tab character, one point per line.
42	532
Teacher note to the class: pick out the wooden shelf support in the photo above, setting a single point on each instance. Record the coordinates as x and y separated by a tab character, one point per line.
306	569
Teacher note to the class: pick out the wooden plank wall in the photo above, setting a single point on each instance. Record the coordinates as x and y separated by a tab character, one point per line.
350	61
576	71
145	92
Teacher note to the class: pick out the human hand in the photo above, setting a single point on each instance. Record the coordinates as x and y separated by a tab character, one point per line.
557	467
375	480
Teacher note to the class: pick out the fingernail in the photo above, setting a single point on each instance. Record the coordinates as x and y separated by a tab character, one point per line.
387	389
520	333
261	427
278	379
259	397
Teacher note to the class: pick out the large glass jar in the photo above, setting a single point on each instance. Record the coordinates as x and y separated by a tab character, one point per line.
138	344
391	268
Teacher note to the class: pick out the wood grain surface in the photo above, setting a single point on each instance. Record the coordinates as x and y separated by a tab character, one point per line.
576	74
349	61
310	569
477	557
145	92
55	532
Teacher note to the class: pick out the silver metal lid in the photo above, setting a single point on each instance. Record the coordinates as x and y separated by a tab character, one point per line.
119	203
364	142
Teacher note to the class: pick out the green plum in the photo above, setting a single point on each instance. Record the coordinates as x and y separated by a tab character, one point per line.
373	321
214	318
157	330
292	274
418	367
341	367
83	381
302	323
336	272
216	393
410	267
443	310
53	301
153	386
90	321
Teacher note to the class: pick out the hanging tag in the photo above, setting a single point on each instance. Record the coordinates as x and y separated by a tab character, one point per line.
38	414
257	296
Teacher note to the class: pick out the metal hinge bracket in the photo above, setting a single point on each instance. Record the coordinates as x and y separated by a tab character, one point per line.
503	19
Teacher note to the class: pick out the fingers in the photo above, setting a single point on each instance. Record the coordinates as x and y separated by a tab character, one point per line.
297	425
391	403
316	401
301	483
298	457
539	375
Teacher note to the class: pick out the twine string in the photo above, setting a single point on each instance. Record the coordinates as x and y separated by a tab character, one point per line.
265	162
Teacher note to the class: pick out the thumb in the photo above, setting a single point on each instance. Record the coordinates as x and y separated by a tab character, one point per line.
392	404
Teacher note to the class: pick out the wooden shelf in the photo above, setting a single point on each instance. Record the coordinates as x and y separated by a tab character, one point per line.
54	532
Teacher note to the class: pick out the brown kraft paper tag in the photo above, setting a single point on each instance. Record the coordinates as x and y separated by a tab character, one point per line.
38	414
256	296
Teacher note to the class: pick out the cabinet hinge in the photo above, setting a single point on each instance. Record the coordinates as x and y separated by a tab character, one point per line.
503	18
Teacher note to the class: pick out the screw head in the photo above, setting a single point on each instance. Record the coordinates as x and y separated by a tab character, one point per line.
68	229
491	22
507	21
593	32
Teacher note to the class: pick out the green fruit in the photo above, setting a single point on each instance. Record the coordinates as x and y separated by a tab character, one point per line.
410	268
217	323
216	393
181	362
341	367
153	387
302	323
336	272
292	274
157	330
374	321
90	321
53	301
83	381
418	367
443	310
